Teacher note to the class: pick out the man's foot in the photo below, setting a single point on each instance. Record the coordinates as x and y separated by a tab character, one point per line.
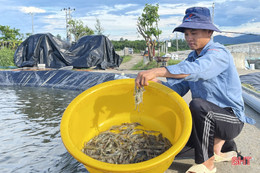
205	167
225	157
201	168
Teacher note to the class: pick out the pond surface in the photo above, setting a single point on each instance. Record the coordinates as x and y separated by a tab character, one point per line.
30	130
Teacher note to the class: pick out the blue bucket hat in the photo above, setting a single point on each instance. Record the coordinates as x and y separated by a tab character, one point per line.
197	18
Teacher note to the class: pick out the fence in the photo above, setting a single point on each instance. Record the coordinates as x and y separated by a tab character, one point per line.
243	52
10	44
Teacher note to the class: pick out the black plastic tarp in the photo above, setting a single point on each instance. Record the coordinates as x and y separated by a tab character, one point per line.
58	79
89	51
250	96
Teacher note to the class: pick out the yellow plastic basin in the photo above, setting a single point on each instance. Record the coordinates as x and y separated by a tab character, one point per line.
112	103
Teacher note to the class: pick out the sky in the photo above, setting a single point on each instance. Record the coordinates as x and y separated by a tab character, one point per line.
118	18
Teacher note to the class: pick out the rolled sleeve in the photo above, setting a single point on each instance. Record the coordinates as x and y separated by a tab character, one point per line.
181	87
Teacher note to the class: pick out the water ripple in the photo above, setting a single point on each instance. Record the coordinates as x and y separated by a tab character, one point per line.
29	131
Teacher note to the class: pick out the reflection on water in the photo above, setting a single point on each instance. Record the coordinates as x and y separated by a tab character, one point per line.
30	130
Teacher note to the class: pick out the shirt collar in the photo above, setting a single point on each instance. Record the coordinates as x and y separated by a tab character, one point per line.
204	50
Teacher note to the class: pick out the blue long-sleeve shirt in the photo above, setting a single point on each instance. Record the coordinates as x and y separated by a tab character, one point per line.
213	77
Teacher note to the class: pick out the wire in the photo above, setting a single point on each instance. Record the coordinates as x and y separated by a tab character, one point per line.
240	33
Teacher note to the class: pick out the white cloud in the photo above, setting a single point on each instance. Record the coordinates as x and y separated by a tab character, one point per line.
238	10
135	12
115	25
119	20
55	23
119	26
171	9
103	10
31	10
123	6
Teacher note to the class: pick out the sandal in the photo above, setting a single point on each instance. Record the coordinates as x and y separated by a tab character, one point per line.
200	168
226	156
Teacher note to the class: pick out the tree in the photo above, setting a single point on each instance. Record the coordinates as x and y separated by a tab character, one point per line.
147	26
182	45
121	39
78	29
138	45
99	29
59	36
7	33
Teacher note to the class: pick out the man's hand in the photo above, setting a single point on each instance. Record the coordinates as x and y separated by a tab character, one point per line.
152	74
149	75
143	78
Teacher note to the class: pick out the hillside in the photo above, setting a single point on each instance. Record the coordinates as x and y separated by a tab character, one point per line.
236	40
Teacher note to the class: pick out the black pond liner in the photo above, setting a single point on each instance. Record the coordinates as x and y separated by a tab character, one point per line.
57	79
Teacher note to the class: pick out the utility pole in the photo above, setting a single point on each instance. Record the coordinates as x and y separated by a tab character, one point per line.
166	47
177	43
68	18
31	13
213	6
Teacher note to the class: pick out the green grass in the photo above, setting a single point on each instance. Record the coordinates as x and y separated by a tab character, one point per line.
141	66
126	58
138	66
7	57
173	62
153	64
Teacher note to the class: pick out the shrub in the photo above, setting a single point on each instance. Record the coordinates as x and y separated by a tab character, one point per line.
126	58
141	66
153	64
7	57
173	62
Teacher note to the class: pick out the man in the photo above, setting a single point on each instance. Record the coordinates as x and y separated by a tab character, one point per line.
217	106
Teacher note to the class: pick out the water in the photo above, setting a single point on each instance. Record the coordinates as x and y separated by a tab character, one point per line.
30	130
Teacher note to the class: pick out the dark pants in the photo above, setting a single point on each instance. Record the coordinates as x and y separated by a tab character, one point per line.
211	121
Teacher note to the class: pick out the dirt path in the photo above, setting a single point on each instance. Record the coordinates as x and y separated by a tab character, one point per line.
128	65
124	67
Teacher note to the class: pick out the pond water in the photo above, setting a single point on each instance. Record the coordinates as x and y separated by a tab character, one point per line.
30	130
